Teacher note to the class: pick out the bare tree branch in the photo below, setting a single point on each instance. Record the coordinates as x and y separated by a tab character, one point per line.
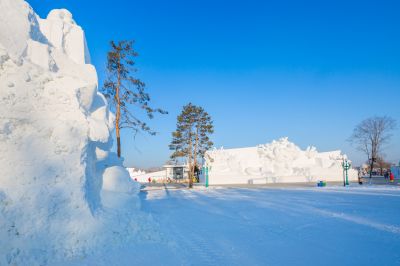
371	134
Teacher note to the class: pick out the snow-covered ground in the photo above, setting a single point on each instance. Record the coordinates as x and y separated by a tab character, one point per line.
357	225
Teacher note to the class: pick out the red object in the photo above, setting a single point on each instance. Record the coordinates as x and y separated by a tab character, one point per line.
149	179
391	177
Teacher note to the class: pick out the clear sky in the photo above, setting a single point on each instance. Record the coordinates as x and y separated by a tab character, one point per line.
309	70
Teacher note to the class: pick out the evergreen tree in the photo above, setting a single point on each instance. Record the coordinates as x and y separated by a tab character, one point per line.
192	136
126	91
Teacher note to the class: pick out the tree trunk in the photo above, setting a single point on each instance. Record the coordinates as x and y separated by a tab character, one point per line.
190	160
118	144
117	129
190	176
195	151
118	112
371	168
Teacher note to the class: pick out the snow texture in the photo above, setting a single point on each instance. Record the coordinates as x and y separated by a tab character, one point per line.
143	177
280	161
60	185
334	225
133	172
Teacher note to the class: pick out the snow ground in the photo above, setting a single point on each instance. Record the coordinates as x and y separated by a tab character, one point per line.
357	225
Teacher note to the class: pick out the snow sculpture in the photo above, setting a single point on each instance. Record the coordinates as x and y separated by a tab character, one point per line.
59	181
278	162
133	172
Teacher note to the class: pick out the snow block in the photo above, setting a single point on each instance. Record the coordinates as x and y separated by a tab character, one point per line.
18	24
39	54
63	33
59	176
117	179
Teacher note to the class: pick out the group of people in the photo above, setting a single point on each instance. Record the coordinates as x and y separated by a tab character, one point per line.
389	175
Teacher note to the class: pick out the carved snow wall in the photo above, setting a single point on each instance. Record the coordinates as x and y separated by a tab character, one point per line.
280	161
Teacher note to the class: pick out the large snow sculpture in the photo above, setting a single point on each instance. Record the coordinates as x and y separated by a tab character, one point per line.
54	143
277	162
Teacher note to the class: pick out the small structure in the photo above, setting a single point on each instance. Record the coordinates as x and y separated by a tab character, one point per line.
176	172
396	171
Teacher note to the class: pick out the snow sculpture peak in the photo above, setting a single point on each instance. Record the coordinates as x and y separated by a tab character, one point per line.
64	34
61	14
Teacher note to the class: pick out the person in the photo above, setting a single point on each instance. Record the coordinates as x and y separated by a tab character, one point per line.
360	174
386	175
391	177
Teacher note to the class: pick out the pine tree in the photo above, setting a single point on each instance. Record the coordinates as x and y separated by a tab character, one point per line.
126	91
192	136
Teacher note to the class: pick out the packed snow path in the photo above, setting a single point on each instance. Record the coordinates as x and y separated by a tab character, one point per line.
305	226
357	225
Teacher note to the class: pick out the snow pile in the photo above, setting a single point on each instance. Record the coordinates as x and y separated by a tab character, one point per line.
143	177
278	162
62	192
133	172
159	176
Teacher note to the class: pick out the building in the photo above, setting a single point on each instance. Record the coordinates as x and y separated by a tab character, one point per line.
176	172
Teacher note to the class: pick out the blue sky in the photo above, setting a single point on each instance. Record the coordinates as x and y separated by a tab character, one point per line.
309	70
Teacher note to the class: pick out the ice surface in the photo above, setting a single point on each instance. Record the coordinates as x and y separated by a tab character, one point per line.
60	185
280	161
